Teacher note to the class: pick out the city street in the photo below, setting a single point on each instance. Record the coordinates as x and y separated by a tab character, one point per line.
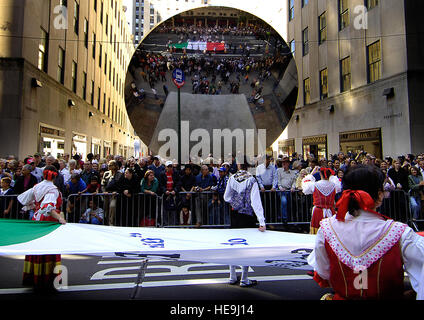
98	278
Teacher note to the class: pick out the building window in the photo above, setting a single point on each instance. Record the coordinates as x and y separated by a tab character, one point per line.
74	77
86	33
101	13
371	4
61	66
100	55
84	86
305	42
43	51
345	74
94	46
99	94
374	61
323	83
104	103
291	10
307	91
304	3
92	93
343	14
322	28
292	46
76	18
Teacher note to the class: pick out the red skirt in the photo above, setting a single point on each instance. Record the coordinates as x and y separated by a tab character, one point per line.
38	271
317	216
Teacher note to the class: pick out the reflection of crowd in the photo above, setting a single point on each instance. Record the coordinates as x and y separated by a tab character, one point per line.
193	32
208	75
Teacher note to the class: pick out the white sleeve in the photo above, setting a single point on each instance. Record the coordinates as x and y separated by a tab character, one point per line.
308	184
318	258
27	197
256	203
412	247
337	183
228	189
50	197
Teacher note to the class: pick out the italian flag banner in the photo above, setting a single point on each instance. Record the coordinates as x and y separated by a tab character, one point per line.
221	246
200	45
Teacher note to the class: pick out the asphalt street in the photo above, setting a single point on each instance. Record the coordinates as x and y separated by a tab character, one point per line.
114	278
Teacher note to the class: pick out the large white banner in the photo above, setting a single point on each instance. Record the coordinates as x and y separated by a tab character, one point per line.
221	246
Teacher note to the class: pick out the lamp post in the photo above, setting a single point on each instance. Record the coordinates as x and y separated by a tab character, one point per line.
178	78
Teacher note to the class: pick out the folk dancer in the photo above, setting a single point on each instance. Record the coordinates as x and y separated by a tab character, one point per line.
324	192
362	254
47	201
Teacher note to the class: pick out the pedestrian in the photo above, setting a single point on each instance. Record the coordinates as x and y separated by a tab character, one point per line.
361	253
242	193
155	93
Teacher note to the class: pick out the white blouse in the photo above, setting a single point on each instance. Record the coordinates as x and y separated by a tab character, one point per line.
367	228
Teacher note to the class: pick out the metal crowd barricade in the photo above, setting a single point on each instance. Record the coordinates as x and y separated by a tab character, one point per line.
10	208
397	206
207	209
137	210
200	208
298	207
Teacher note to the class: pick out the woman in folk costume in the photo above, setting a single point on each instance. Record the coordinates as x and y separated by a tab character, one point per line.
359	252
47	200
324	192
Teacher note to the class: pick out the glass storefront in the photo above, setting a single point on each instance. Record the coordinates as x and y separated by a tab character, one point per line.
106	148
52	141
358	141
96	146
79	145
316	146
286	147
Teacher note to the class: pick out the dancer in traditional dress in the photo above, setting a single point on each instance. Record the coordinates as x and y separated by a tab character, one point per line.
242	192
47	201
324	192
361	253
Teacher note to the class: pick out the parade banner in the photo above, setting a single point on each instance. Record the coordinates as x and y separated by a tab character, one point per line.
222	246
200	45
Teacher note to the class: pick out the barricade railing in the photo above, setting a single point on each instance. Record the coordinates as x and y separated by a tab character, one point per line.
136	210
188	209
10	208
291	207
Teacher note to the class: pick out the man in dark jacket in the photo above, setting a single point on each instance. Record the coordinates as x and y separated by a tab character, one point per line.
169	185
26	181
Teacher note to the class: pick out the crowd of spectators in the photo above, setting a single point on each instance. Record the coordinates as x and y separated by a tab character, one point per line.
215	33
208	75
183	188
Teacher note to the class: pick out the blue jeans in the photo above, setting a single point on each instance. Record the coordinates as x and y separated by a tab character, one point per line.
415	207
285	203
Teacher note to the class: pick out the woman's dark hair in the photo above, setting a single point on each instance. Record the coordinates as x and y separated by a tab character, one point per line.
366	178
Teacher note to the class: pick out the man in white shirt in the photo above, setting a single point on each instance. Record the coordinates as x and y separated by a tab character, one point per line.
64	171
286	185
242	192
